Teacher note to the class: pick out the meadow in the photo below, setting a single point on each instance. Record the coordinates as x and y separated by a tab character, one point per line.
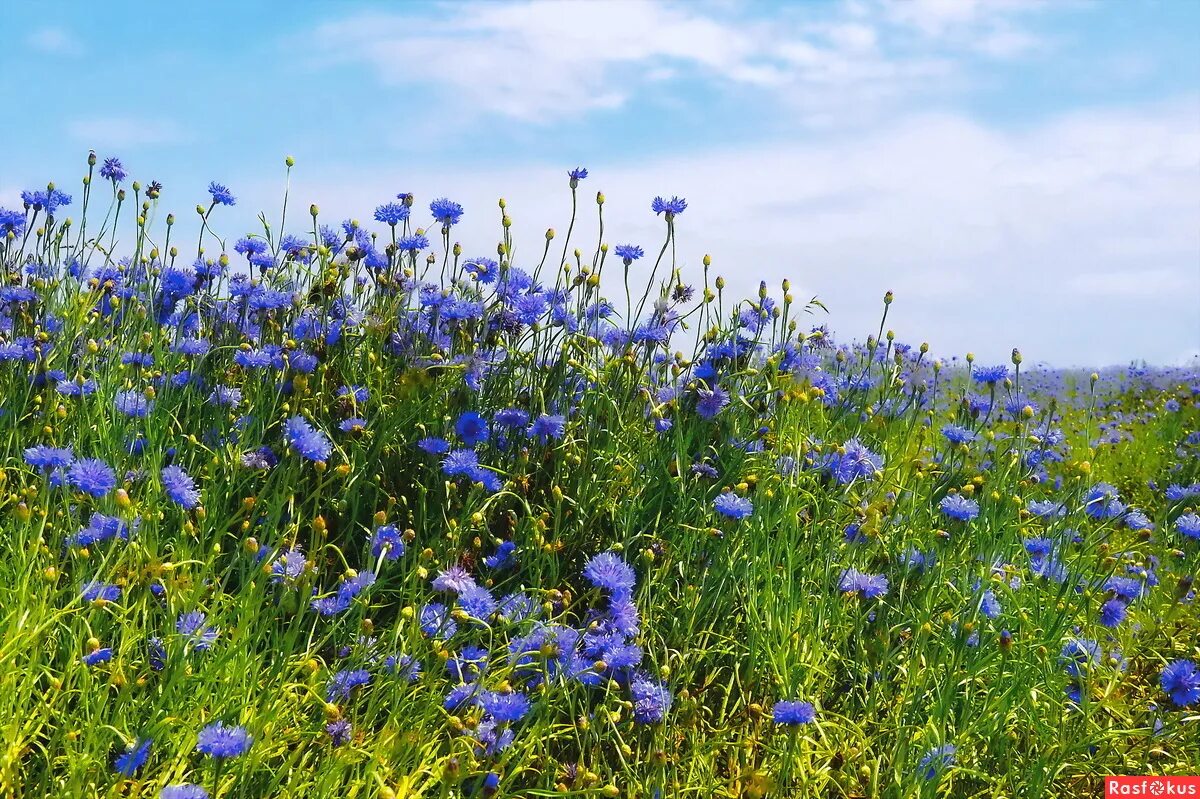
352	509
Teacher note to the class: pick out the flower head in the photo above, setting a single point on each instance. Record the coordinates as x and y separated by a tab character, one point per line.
113	170
92	476
733	506
133	758
672	207
182	790
1181	681
220	194
956	506
180	487
217	740
608	572
446	211
308	442
936	761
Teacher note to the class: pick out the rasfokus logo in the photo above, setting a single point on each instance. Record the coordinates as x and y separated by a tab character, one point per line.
1151	786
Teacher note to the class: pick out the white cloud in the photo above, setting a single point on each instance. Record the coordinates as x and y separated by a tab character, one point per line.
541	61
125	131
536	60
55	41
1074	240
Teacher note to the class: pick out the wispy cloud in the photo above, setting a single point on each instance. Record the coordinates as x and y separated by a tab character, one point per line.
125	131
540	61
55	41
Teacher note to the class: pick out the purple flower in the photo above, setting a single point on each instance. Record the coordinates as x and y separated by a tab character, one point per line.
180	487
733	506
793	713
217	740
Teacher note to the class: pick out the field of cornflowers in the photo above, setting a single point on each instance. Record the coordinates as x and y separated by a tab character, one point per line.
339	511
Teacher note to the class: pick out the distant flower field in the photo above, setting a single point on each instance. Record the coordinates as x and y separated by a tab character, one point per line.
337	510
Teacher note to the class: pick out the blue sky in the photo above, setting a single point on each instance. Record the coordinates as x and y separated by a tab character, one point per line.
1019	173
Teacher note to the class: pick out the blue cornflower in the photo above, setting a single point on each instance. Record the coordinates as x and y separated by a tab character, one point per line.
1136	520
261	458
101	528
112	169
12	223
672	207
1078	655
958	435
338	732
1101	502
477	601
471	428
990	375
289	566
956	506
936	761
482	269
50	200
516	607
354	424
503	557
436	621
577	174
412	243
47	458
391	213
609	572
198	634
132	759
308	442
504	708
180	487
446	211
1127	588
733	506
132	403
182	791
623	614
344	682
868	586
1047	509
387	541
710	402
220	194
629	252
1189	525
460	463
217	740
98	656
1181	681
651	699
793	713
92	476
434	446
547	427
100	592
459	696
453	579
989	605
469	664
854	462
1113	612
250	245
